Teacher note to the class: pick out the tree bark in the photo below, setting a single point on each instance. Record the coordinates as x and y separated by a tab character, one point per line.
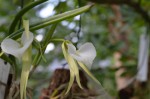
135	5
59	83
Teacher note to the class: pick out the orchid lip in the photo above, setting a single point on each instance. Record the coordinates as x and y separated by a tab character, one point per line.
14	48
85	54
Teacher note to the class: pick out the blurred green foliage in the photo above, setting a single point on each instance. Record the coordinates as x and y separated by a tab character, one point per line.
94	28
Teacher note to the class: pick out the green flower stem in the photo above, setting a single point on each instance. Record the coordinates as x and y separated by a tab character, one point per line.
49	34
54	19
42	48
26	61
41	51
22	12
56	40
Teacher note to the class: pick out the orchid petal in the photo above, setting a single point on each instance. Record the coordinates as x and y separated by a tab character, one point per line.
70	81
88	72
11	47
14	48
26	41
71	69
71	49
88	53
85	54
74	71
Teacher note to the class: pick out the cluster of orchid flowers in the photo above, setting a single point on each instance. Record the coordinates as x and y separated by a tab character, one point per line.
83	57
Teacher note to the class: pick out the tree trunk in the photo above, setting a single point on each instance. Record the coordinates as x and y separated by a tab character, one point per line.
59	83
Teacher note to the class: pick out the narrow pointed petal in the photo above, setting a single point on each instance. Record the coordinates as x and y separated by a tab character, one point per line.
70	81
104	94
71	69
74	71
12	47
88	72
78	79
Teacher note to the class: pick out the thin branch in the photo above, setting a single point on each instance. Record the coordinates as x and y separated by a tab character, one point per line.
21	5
135	5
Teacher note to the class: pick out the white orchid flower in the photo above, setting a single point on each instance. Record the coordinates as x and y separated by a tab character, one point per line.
85	54
16	49
83	57
22	50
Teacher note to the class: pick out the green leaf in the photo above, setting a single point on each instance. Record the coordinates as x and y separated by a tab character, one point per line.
49	34
22	12
60	17
54	19
42	47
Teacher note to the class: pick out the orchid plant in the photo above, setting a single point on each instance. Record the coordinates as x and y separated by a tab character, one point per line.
22	51
83	57
22	47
